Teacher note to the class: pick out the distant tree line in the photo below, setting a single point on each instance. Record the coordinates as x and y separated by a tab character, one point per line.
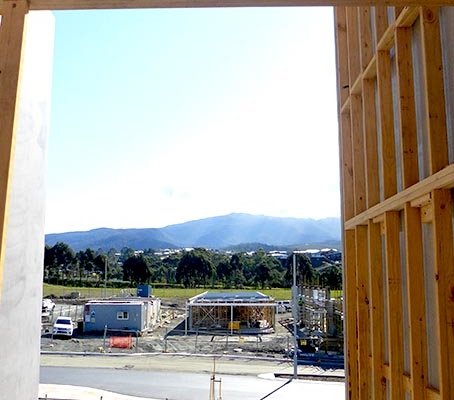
194	268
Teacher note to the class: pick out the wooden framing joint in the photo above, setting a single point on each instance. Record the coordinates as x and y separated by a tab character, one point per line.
425	203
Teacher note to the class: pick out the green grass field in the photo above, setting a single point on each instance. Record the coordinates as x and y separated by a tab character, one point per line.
164	293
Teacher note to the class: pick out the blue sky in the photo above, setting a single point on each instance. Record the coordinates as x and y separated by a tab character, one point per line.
165	116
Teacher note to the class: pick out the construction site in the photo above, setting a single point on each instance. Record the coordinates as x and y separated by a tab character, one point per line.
395	85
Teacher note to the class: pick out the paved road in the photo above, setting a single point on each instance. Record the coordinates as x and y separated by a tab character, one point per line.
186	385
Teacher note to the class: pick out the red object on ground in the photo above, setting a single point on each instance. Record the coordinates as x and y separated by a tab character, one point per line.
121	342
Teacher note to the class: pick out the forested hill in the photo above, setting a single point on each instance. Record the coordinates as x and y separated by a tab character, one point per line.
215	233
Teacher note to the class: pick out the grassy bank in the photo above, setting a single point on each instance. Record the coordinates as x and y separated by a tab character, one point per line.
164	293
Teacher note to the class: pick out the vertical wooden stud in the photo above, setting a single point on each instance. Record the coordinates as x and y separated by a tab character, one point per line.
416	301
359	177
365	36
394	300
11	37
370	143
377	325
444	266
350	321
381	21
434	89
346	157
388	149
362	302
406	104
342	55
354	67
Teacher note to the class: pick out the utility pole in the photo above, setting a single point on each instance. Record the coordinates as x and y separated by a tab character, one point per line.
295	317
213	382
105	277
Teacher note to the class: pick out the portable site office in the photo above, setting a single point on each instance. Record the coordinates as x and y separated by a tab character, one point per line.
136	315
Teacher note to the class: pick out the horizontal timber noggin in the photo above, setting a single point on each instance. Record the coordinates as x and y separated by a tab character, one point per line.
131	4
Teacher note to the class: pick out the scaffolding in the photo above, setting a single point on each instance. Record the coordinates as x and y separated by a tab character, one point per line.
320	315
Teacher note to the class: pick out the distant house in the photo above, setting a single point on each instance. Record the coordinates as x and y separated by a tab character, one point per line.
131	314
242	312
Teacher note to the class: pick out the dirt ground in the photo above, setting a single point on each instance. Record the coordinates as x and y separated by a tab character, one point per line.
168	337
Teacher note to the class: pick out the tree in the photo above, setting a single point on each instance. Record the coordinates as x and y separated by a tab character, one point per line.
305	273
237	278
265	270
331	277
59	260
170	265
136	269
195	268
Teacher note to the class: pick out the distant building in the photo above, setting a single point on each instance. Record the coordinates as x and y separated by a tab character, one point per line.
242	312
132	314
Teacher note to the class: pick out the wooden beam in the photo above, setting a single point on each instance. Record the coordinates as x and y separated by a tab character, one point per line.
443	179
381	22
388	148
398	10
416	300
444	262
366	36
342	55
406	107
125	4
370	143
354	67
346	159
350	321
394	302
359	174
434	89
432	394
11	38
376	305
407	17
406	381
362	304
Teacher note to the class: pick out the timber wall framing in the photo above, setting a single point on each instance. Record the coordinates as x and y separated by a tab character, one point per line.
395	96
395	85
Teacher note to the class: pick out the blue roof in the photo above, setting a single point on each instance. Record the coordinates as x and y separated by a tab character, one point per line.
233	296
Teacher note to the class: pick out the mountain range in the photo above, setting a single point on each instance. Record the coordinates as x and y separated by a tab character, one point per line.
214	233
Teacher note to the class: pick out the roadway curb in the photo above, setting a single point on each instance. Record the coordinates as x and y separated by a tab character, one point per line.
182	354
